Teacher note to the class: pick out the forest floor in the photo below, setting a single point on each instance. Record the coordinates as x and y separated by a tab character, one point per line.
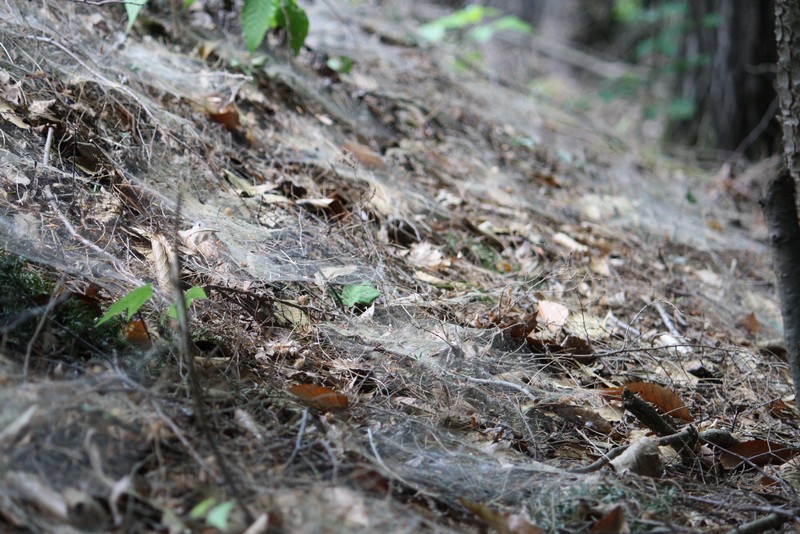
431	292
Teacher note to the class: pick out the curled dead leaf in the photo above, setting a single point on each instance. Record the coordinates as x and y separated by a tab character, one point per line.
642	458
319	397
666	400
552	315
756	452
136	334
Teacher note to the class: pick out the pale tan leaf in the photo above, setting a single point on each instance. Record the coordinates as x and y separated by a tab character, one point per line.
424	255
642	458
568	243
201	241
163	257
552	315
287	315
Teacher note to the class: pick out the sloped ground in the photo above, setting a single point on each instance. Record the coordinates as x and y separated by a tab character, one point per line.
528	261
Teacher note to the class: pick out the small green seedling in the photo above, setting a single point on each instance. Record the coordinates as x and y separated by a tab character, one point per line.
192	294
473	17
136	298
359	295
129	304
340	64
258	16
216	515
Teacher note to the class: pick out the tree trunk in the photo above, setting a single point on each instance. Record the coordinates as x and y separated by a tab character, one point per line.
725	70
780	203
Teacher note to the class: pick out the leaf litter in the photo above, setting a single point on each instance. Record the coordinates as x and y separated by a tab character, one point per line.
420	286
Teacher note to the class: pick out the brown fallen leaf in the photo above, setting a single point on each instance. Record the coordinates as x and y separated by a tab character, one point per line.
136	334
757	452
666	400
365	155
500	523
319	397
613	522
750	323
227	115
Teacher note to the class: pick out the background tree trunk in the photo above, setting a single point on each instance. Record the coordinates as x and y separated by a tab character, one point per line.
780	203
727	51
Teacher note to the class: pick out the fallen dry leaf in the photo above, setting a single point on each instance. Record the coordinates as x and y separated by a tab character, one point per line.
319	397
552	315
666	400
750	323
613	522
756	452
227	115
136	334
365	155
642	458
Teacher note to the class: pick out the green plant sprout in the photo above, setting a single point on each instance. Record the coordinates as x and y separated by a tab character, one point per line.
138	297
258	16
129	304
359	295
473	17
216	515
669	23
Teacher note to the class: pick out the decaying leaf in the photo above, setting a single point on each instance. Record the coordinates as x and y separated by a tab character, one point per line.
642	458
227	115
568	243
136	334
290	314
750	323
365	155
756	452
499	522
613	522
245	189
666	400
163	257
319	397
202	241
552	315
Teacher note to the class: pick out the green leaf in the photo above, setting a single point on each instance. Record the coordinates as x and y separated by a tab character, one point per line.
473	14
482	33
218	516
435	30
681	108
359	294
132	8
192	294
712	20
129	304
202	508
294	19
257	17
188	3
627	11
513	24
340	64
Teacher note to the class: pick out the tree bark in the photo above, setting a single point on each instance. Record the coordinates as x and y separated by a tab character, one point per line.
780	202
725	71
780	211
